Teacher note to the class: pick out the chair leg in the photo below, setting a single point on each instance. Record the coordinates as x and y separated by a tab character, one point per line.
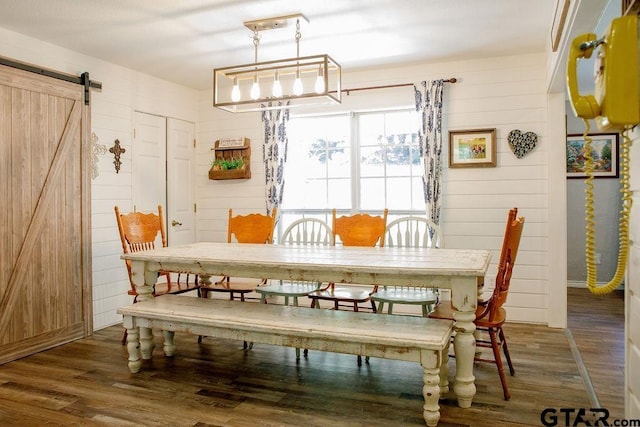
124	337
381	306
496	354
505	349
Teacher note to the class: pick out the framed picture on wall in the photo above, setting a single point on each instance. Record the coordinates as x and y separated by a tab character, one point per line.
604	150
472	148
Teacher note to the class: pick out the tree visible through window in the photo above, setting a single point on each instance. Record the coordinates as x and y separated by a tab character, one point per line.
361	162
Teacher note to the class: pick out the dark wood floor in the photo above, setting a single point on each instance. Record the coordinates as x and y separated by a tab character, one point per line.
216	383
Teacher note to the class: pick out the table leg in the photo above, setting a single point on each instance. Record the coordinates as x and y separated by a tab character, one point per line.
144	282
133	345
464	301
430	362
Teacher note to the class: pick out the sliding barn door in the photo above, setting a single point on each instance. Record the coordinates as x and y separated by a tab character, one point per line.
45	242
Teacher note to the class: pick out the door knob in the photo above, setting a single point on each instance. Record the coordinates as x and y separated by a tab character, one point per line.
174	223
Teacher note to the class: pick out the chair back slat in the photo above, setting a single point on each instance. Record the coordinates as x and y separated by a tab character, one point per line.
360	229
307	231
138	230
412	231
252	228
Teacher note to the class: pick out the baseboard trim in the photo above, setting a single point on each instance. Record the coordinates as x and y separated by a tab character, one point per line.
579	284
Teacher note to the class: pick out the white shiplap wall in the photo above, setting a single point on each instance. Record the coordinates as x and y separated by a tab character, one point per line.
123	92
506	93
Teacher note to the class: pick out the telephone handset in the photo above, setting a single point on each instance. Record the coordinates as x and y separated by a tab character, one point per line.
615	106
616	102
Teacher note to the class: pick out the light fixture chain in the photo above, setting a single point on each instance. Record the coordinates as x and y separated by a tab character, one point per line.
298	37
256	42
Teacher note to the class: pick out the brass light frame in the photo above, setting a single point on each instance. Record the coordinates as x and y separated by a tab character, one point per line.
309	68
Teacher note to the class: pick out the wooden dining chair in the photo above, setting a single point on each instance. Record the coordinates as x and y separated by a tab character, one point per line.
409	231
139	232
302	232
353	230
251	228
490	315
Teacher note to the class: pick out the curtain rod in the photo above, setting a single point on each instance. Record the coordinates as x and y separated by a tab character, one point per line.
451	80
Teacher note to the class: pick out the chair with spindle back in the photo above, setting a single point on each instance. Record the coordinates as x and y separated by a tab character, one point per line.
490	315
139	232
251	228
409	232
352	230
302	232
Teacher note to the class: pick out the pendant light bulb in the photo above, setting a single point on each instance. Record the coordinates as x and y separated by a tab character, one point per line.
255	89
319	86
235	92
297	85
277	87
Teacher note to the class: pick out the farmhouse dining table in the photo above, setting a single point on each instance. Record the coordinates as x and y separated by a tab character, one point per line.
454	269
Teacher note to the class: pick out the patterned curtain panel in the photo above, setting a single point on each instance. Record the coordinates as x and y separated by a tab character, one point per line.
429	104
274	154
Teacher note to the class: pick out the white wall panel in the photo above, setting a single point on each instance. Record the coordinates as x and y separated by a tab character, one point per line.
506	93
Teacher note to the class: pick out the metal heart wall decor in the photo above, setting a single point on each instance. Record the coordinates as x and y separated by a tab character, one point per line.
522	143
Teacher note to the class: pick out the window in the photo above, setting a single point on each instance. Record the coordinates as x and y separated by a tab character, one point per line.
361	162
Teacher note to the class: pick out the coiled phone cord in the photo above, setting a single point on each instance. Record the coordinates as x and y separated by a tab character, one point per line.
623	237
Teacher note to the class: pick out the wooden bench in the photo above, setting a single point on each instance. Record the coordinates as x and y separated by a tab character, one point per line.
408	338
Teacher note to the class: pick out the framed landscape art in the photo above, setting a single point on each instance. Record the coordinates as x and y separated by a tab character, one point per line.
604	147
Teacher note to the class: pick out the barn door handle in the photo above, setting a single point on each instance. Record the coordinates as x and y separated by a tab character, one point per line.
174	223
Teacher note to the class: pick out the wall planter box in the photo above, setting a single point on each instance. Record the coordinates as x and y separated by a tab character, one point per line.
232	159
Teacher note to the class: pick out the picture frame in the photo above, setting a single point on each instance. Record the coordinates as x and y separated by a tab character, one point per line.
559	19
605	148
474	148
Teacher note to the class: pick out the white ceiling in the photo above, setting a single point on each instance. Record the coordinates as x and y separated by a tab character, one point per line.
183	40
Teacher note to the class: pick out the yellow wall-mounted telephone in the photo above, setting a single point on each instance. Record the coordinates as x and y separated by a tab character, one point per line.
615	106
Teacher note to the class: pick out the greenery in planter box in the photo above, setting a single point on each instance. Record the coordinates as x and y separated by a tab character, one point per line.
228	164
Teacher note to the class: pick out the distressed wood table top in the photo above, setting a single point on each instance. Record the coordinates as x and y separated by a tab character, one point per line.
389	266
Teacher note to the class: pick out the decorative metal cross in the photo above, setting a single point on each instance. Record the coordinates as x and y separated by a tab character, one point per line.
117	150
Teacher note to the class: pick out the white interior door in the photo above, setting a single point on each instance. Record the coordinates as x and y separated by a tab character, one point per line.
180	166
149	159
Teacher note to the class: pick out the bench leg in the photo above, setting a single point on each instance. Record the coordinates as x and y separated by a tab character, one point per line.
431	362
146	343
133	344
169	347
444	374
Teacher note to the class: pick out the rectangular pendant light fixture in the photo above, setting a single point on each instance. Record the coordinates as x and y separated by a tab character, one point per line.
308	80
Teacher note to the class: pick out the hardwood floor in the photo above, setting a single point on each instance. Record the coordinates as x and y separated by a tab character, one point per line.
216	383
599	334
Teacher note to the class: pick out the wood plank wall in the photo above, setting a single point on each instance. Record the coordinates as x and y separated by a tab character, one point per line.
506	93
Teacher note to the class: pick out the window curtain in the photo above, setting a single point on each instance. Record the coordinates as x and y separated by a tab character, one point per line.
429	104
274	154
